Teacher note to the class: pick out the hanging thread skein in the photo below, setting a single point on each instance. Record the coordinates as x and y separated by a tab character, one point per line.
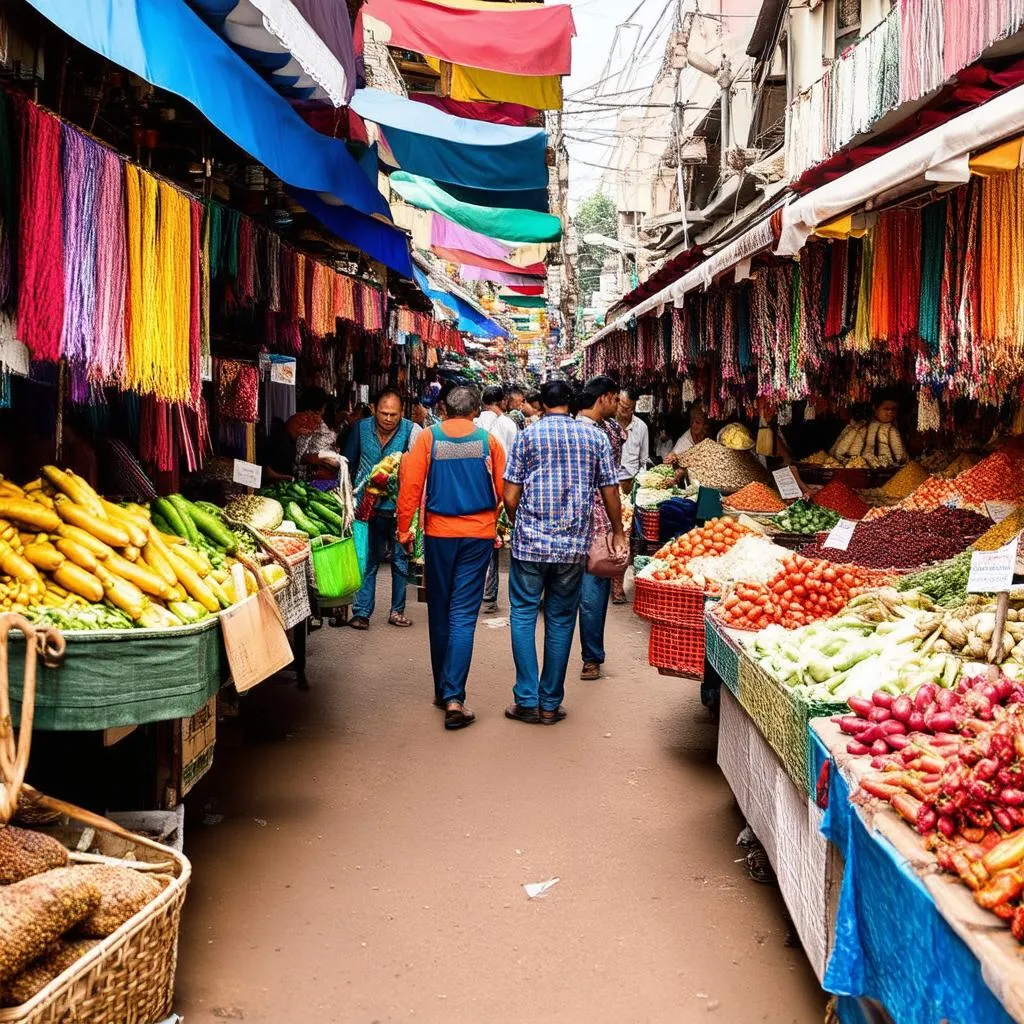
111	271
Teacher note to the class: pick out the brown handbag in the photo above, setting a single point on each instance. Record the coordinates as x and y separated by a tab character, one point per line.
602	558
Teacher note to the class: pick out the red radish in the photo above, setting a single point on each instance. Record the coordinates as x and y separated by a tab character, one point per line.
861	706
942	721
916	722
871	733
878	763
879	715
898	742
893	728
925	696
879	747
853	725
1012	797
881	699
853	747
945	699
902	708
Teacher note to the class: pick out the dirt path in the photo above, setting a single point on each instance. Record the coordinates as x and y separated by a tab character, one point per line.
369	866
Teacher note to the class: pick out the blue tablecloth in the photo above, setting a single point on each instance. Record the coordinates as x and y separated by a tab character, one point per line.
891	943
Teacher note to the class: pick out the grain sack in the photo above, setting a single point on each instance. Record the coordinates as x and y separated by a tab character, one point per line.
123	893
37	911
22	987
24	853
721	468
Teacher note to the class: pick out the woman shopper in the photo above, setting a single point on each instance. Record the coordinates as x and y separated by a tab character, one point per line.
599	401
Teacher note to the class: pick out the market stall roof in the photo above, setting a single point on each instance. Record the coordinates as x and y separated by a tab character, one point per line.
495	113
449	235
525	301
167	44
458	150
303	47
671	270
506	224
469	317
535	199
521	39
941	156
470	85
461	257
468	273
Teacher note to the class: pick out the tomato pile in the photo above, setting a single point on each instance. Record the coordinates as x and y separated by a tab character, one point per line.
805	589
996	478
715	537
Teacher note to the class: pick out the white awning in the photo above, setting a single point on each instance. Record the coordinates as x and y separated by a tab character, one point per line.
939	156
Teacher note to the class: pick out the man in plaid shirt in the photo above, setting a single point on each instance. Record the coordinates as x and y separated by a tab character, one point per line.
552	472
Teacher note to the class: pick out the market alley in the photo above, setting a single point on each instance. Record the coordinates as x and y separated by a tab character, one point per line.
370	867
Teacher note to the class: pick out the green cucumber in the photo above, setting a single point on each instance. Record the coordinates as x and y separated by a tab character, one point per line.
322	512
163	508
301	520
214	529
181	506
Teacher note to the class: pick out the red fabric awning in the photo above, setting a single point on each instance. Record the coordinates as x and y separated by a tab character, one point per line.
665	275
973	86
470	259
533	42
527	289
514	114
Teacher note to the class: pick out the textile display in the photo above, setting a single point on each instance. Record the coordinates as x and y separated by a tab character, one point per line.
447	234
468	84
460	256
480	110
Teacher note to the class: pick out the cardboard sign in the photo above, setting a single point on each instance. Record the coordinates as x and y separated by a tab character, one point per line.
248	474
999	510
198	735
992	571
840	535
255	640
282	371
785	481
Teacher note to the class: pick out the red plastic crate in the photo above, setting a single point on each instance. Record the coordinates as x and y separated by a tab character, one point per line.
668	603
650	523
677	648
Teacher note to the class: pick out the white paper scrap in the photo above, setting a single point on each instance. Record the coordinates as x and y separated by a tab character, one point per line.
534	890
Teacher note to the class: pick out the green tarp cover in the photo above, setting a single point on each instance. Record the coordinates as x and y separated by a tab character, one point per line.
525	301
508	225
124	678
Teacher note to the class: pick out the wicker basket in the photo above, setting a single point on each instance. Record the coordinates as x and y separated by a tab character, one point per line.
668	603
723	654
782	716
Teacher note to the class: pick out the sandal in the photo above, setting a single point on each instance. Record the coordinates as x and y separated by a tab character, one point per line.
591	670
398	619
457	716
520	714
553	717
360	623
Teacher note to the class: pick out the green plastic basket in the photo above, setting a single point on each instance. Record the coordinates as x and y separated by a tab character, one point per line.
335	567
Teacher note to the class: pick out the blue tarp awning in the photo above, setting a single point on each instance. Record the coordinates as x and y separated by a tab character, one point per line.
168	44
457	150
470	320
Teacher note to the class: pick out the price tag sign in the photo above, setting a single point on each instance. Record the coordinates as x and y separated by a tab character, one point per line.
999	510
364	393
992	571
840	535
786	483
248	474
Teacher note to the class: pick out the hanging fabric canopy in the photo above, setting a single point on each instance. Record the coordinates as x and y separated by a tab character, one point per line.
383	242
535	199
496	113
469	259
508	225
525	301
167	44
446	234
468	273
468	84
470	320
453	149
527	289
532	40
277	38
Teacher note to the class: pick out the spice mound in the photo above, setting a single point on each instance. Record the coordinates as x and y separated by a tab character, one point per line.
842	499
721	468
755	497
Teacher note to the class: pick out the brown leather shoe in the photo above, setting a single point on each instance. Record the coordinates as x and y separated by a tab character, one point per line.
553	717
520	714
457	715
591	670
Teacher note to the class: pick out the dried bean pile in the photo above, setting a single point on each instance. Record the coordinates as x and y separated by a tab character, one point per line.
906	540
721	468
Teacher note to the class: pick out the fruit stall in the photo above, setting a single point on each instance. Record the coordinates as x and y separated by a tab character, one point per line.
871	719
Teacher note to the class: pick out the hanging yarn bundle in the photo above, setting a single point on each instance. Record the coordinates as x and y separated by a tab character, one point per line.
8	199
40	233
933	234
1001	268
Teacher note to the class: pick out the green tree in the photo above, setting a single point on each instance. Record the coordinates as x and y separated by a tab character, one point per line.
596	215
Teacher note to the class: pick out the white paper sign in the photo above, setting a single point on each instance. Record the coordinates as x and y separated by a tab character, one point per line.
283	371
248	474
992	571
364	393
840	535
14	356
786	483
645	404
999	510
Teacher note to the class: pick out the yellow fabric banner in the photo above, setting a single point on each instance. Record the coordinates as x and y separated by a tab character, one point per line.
543	92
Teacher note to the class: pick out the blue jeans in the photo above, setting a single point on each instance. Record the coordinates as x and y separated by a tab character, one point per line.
454	572
491	586
593	610
558	586
382	539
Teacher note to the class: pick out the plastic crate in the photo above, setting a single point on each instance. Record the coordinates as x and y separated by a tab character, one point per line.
781	715
649	523
677	649
670	604
722	653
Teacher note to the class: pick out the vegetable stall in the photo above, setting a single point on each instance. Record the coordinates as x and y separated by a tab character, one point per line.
871	722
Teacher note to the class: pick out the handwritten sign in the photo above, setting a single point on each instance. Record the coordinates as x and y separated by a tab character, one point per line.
786	482
999	510
992	571
840	535
248	474
282	371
